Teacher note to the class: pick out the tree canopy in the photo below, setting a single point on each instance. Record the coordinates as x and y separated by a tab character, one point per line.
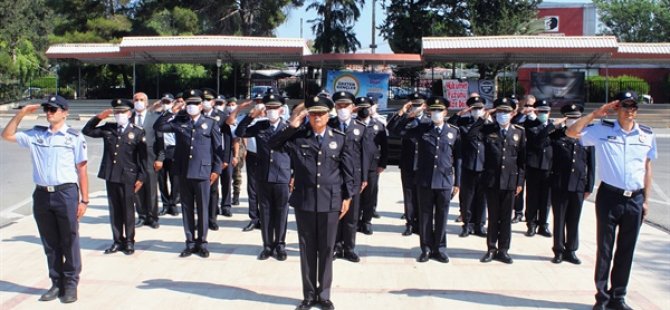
636	20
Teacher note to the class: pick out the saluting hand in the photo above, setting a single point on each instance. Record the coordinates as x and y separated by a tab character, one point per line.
518	190
158	165
363	186
455	191
559	121
243	105
463	111
298	115
345	208
30	109
178	106
416	112
405	107
605	108
105	113
138	185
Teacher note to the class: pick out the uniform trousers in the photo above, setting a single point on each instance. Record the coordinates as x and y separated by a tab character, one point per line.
369	197
252	188
566	209
434	209
273	199
316	236
472	198
168	183
615	212
410	198
348	225
499	203
121	213
195	199
226	179
146	199
56	217
537	196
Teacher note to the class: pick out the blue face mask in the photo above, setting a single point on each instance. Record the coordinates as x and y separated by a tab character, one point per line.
503	118
543	117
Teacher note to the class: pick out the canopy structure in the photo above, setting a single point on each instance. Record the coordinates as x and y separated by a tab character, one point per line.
644	53
339	60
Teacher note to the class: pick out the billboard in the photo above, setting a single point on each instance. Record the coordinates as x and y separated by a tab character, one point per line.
558	88
458	92
361	84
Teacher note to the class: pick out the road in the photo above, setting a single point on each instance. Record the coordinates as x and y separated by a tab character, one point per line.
16	184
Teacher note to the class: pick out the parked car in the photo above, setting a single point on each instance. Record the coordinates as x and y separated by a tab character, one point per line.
32	92
261	90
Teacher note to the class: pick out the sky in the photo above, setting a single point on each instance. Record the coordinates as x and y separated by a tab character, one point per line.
291	28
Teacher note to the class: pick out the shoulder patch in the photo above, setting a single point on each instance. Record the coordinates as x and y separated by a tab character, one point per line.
339	132
646	129
359	122
607	123
518	126
40	128
73	131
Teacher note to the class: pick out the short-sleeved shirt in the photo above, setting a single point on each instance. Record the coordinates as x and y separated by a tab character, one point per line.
251	142
55	155
620	156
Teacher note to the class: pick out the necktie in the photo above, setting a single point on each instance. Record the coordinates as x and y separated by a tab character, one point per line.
318	140
344	127
140	120
120	130
438	130
504	132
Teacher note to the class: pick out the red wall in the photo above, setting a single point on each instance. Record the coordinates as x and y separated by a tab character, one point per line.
570	20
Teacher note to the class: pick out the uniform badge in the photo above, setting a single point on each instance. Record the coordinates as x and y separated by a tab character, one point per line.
217	118
203	126
357	132
131	136
375	127
68	140
332	145
643	138
515	137
40	140
450	136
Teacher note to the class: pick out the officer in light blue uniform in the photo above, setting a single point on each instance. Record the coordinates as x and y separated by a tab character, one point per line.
59	158
624	150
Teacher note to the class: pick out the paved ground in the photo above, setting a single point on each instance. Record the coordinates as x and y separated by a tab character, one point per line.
388	277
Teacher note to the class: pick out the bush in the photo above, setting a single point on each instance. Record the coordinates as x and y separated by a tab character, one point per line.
505	86
295	91
595	86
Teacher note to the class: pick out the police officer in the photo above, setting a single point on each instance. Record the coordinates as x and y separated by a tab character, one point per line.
198	157
58	203
237	160
123	167
355	133
573	175
168	182
273	174
472	197
376	144
523	113
408	162
624	151
504	173
538	168
437	176
323	168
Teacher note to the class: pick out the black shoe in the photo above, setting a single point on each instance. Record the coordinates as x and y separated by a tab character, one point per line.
558	258
69	296
281	255
351	256
129	249
480	232
153	224
618	305
174	211
488	256
464	232
517	218
257	225
544	231
51	294
402	217
265	254
249	226
327	305
114	248
236	200
408	230
423	257
164	211
441	257
204	252
366	229
305	305
214	226
459	219
531	231
503	257
376	215
226	212
339	252
415	229
572	258
599	306
139	222
186	252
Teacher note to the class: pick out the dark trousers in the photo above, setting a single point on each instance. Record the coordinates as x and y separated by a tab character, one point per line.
434	206
316	237
518	201
472	198
615	212
226	179
348	225
368	202
213	206
168	184
252	188
121	213
537	196
499	203
56	217
410	198
273	200
195	198
146	199
566	208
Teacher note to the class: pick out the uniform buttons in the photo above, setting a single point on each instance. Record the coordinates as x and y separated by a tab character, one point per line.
271	151
318	185
190	156
318	174
115	161
435	166
575	152
437	147
417	151
573	160
192	138
503	149
115	153
191	147
478	151
319	152
318	163
544	151
270	159
503	167
435	156
503	158
573	170
117	145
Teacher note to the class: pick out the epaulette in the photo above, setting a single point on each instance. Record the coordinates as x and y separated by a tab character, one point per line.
607	123
518	126
359	122
646	129
73	132
40	128
337	131
209	117
452	126
412	124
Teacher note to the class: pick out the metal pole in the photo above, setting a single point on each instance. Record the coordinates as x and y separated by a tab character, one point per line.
607	83
57	67
78	81
158	81
373	46
235	82
134	78
218	77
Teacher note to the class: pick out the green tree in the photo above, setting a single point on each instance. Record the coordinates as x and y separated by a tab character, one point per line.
334	26
636	20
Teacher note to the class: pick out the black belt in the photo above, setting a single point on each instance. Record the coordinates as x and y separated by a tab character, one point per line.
620	191
55	188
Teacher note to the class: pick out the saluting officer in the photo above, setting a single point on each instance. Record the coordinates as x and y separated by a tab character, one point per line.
198	159
573	175
376	144
524	112
323	167
504	174
472	194
272	174
59	158
408	162
437	177
168	182
355	132
624	151
123	167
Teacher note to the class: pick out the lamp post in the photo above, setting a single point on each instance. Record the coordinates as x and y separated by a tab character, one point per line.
218	74
56	67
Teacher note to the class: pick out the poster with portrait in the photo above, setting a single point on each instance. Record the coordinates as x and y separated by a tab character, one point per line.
558	88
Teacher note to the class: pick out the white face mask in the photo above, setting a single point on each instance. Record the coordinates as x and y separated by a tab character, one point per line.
167	107
229	109
192	109
343	114
373	110
531	116
570	121
503	118
273	115
219	108
477	113
543	117
121	119
437	117
207	105
139	105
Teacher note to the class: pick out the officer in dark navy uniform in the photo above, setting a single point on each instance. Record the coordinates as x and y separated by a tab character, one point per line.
437	177
354	130
228	197
408	162
624	151
123	167
61	192
273	174
538	169
504	174
376	145
168	182
572	179
472	197
198	158
323	168
524	113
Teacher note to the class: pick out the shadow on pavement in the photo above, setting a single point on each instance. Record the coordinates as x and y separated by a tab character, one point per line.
6	286
491	299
